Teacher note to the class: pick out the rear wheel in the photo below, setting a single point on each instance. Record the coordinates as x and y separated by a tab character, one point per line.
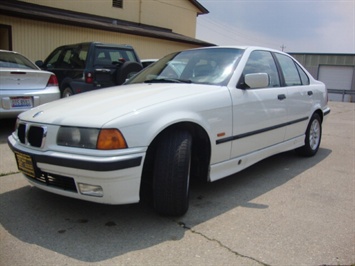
313	137
67	92
172	173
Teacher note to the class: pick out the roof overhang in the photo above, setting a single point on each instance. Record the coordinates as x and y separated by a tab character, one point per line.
202	9
54	15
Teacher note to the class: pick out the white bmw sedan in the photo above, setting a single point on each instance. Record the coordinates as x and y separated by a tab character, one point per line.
23	85
198	114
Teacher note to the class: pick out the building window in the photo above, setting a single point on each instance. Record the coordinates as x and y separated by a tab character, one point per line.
117	3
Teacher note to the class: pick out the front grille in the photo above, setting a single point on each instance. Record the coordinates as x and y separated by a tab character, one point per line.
35	136
21	133
57	181
31	135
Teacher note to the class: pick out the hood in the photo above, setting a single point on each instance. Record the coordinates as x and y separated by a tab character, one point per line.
94	109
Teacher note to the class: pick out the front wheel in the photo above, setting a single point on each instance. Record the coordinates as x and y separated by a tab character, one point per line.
172	173
313	137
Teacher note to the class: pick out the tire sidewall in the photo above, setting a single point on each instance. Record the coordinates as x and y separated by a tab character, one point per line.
307	149
171	179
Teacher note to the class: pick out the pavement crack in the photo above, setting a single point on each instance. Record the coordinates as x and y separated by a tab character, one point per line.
9	173
184	226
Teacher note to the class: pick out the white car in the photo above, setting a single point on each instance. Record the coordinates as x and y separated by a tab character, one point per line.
197	114
148	62
23	85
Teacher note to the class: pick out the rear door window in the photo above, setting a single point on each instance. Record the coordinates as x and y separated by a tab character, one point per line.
303	75
67	55
289	70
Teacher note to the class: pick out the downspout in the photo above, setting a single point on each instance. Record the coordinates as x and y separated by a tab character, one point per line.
140	12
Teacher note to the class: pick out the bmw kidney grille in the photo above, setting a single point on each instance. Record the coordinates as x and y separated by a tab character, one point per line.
32	135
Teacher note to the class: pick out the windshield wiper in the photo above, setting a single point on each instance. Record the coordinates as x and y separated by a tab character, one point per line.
167	80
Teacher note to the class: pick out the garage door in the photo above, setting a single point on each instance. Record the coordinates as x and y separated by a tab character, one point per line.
339	78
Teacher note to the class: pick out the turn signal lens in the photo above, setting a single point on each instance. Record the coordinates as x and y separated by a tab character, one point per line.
111	139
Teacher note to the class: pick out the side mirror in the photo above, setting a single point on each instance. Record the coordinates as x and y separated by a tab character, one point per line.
39	63
257	80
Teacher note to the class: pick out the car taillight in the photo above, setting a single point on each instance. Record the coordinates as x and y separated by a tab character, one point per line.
53	81
89	77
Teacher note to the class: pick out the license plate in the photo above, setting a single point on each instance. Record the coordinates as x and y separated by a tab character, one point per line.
21	102
25	164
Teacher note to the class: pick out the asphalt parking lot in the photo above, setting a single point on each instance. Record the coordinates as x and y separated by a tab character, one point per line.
285	210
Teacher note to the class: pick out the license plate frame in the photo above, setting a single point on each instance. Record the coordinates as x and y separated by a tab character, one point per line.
25	164
21	102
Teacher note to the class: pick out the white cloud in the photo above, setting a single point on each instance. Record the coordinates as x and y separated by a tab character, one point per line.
302	26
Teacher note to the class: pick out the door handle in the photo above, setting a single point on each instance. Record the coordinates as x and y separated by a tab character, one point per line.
310	93
281	97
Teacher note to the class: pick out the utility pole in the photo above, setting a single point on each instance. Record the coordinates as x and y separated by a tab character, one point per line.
282	47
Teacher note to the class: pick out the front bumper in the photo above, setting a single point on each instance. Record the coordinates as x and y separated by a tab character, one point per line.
61	173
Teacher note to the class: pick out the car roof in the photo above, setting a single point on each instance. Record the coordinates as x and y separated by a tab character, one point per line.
7	51
250	48
98	44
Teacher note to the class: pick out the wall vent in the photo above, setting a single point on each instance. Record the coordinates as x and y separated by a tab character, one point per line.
117	3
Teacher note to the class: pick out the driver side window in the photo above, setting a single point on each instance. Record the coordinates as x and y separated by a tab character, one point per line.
263	62
54	60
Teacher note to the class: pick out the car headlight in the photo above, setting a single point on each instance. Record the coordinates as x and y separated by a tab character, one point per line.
91	138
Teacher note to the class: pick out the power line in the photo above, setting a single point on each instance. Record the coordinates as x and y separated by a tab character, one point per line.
230	32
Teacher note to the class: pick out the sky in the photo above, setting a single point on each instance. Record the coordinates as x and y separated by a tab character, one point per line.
305	26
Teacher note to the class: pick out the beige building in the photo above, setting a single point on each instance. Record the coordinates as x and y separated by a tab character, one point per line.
153	27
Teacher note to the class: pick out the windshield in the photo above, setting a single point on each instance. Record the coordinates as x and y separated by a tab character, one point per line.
202	66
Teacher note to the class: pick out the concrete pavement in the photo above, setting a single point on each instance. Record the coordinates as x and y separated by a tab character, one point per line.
285	210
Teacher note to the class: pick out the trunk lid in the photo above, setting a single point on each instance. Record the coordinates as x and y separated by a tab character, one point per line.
26	79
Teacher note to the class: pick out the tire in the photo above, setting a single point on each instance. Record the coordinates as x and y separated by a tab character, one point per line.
67	92
127	70
313	137
171	178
